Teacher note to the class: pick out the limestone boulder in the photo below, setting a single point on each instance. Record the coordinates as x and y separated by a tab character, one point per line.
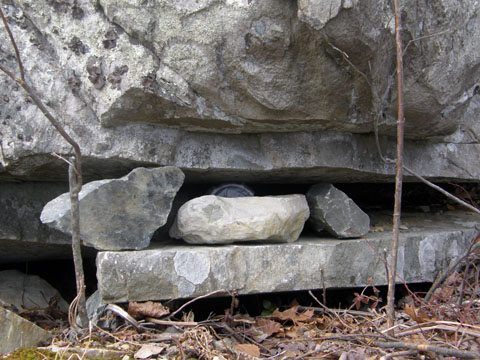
332	210
217	220
147	85
119	213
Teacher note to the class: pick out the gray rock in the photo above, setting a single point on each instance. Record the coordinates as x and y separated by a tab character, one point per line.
175	271
27	291
16	332
96	312
332	210
95	307
119	213
262	71
212	219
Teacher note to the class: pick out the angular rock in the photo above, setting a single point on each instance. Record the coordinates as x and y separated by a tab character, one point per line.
176	271
27	291
96	310
217	220
119	213
16	332
332	210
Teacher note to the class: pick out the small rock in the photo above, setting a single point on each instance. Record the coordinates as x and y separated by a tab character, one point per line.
217	220
120	213
332	210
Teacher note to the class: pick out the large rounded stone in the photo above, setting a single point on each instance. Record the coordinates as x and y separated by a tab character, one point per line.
217	220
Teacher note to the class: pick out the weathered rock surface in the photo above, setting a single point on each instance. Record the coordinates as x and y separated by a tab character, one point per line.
17	332
22	236
119	213
27	291
172	271
212	219
332	210
239	67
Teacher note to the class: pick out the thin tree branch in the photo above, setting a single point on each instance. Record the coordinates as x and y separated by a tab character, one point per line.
75	181
446	193
14	44
195	299
399	169
436	349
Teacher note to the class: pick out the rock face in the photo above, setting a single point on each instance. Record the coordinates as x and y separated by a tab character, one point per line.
188	271
119	213
16	332
27	291
22	236
126	90
216	220
332	210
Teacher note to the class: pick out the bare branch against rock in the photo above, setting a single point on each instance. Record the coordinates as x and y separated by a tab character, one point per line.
399	169
75	174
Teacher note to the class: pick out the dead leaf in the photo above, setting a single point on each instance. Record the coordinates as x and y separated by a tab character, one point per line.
295	347
293	315
263	329
268	327
419	315
250	349
147	309
378	228
148	350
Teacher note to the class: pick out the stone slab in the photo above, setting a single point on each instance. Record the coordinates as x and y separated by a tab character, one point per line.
17	332
181	271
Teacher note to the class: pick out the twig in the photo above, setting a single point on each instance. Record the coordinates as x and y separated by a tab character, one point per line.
399	353
193	300
324	290
446	193
464	282
60	157
123	314
327	309
455	329
171	323
422	347
15	48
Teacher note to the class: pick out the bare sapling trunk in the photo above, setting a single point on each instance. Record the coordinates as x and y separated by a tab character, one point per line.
399	167
75	182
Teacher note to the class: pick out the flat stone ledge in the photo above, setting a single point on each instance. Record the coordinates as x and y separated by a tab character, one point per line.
182	271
